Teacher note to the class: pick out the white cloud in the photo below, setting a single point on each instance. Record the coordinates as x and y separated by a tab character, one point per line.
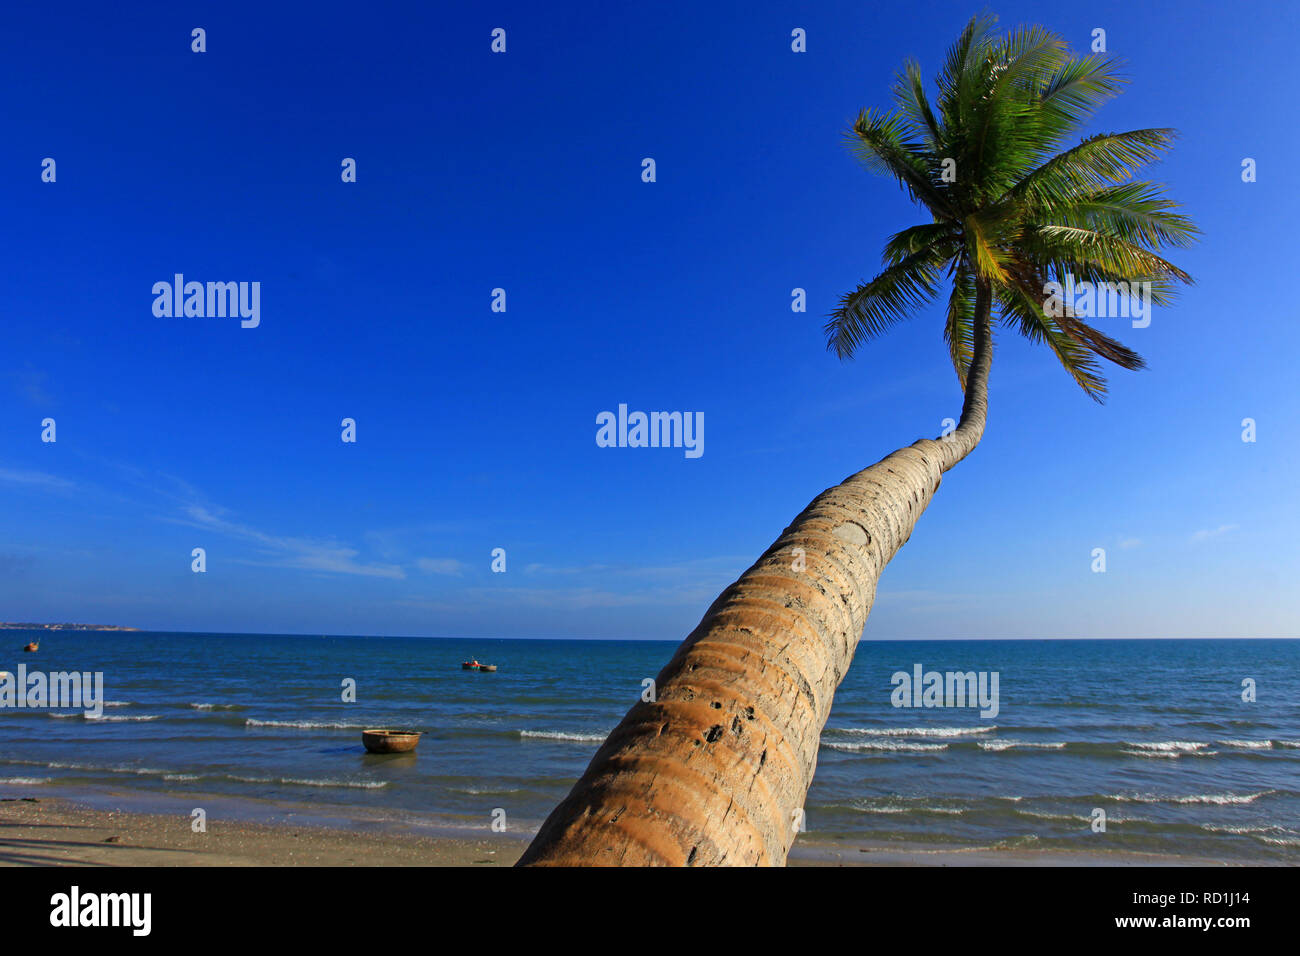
1205	534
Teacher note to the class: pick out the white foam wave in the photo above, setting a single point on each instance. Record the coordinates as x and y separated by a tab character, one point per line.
301	782
1179	746
304	724
95	768
901	746
107	718
894	808
1218	799
914	731
1171	754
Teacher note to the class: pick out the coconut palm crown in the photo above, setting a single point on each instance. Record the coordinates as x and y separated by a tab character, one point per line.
1012	210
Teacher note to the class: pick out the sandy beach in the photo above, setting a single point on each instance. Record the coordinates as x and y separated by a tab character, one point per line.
58	832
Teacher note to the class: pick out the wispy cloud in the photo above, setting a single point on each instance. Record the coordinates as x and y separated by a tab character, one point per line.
555	569
15	564
30	383
307	554
1206	534
584	587
723	569
36	478
568	599
440	566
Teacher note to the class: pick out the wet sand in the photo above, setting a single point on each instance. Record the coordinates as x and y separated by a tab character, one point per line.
57	832
835	854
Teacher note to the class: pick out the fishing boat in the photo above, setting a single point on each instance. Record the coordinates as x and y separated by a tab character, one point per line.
390	741
32	647
487	667
470	665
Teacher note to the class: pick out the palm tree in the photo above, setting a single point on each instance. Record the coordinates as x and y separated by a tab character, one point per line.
716	768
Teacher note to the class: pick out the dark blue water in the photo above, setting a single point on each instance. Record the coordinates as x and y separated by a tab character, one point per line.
1154	733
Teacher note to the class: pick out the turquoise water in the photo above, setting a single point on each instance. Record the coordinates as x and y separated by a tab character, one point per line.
1154	733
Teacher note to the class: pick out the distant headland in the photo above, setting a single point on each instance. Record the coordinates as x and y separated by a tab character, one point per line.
64	627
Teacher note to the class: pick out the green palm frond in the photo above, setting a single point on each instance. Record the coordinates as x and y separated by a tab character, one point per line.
968	63
1077	91
877	306
879	141
1134	212
909	94
1023	310
939	236
959	328
1098	161
1118	257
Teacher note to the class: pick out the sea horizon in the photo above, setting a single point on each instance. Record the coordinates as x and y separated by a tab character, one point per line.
127	629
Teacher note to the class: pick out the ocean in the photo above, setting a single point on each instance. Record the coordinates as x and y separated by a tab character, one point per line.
1155	734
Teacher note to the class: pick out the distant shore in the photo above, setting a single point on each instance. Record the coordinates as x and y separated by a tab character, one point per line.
58	832
11	626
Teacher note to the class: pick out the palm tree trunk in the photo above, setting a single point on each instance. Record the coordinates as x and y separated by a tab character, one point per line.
715	770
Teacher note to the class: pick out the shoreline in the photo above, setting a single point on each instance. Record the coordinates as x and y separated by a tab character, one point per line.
58	832
61	831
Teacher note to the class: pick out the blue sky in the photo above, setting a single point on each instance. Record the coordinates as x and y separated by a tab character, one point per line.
476	430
